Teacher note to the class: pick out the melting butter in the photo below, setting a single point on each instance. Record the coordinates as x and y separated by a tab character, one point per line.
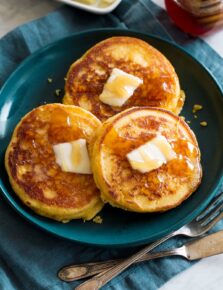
119	87
73	156
151	155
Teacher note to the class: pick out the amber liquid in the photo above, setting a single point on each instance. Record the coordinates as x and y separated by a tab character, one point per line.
186	21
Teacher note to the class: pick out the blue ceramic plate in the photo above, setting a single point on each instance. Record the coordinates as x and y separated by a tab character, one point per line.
27	88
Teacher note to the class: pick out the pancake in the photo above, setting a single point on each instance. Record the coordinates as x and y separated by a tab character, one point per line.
33	172
88	75
160	189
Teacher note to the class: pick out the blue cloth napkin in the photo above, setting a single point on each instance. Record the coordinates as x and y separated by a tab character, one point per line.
30	258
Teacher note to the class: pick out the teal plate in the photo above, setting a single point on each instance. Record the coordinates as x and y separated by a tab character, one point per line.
27	88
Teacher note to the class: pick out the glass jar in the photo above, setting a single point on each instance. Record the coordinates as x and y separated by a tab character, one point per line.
196	17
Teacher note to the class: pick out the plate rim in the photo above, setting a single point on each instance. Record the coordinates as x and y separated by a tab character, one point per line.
215	188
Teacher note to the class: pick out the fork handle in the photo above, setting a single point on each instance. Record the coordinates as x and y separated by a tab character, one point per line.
81	271
101	279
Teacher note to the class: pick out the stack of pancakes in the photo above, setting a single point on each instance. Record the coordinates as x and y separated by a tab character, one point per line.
152	109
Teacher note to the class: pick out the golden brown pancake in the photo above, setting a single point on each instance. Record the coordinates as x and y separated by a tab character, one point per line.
87	76
33	172
160	189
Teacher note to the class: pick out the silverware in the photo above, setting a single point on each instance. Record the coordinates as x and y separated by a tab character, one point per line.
200	248
200	225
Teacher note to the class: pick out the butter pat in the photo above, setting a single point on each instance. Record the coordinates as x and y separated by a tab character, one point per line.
151	155
73	156
119	87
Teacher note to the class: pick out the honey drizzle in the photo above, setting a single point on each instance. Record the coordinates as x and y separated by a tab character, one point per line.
76	153
182	165
62	128
187	155
123	144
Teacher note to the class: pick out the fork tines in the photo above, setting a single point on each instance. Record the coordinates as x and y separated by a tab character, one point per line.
212	210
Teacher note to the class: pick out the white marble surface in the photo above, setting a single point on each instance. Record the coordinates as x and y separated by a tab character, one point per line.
205	275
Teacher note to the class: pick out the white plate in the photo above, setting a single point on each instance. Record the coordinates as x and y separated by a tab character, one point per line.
92	8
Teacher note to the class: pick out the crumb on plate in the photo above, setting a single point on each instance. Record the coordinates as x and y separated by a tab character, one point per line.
57	92
203	123
197	108
98	219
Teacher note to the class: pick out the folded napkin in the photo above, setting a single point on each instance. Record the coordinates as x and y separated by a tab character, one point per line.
30	258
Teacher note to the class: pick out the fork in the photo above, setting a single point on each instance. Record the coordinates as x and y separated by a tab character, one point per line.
195	249
199	226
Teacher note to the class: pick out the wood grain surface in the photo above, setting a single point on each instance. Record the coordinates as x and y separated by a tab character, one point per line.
16	12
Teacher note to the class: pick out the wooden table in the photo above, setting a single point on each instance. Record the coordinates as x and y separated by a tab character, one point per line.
16	12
